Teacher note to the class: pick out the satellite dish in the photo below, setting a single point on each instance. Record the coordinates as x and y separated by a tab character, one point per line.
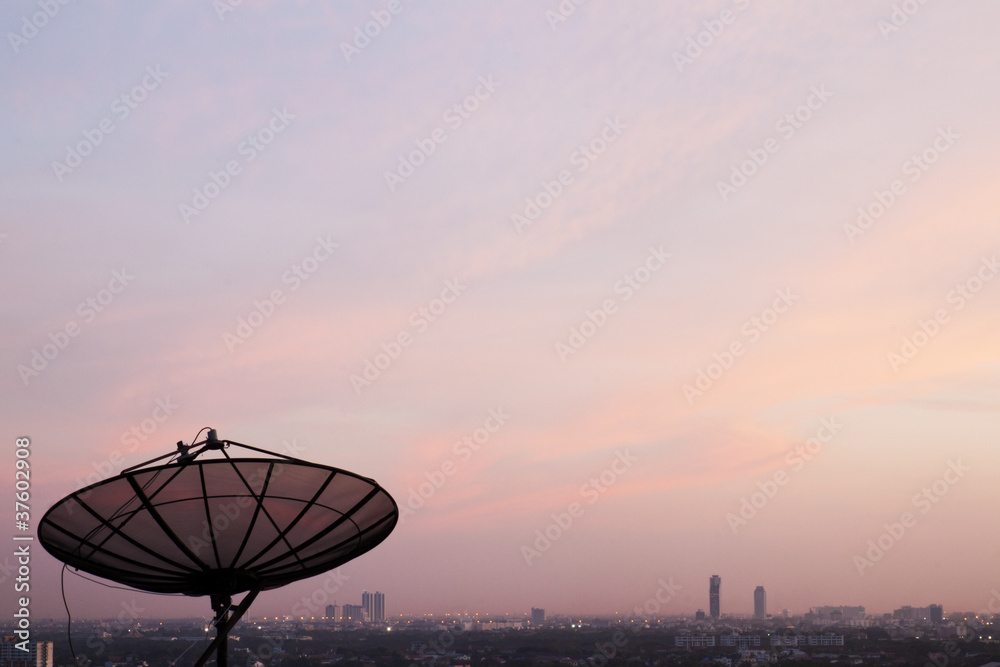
218	526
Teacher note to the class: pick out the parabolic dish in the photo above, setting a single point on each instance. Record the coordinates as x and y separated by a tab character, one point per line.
219	526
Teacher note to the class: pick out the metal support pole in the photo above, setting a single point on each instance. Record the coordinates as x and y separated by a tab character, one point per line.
221	605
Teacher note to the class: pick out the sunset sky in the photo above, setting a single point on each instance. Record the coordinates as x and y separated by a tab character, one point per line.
595	271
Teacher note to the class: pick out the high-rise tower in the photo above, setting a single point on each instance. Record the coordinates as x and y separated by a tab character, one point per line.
759	603
714	584
373	605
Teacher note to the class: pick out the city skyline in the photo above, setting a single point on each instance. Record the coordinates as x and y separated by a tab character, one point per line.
931	612
608	297
317	606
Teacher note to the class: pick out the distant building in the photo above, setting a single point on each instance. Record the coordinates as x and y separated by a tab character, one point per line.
839	613
331	612
827	639
353	613
739	641
788	640
537	616
936	613
759	603
373	606
694	641
908	613
39	654
714	585
755	656
699	615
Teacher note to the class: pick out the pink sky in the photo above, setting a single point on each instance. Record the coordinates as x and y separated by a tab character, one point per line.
901	122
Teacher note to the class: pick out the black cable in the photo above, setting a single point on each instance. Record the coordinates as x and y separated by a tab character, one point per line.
117	514
121	588
190	646
195	439
122	508
69	619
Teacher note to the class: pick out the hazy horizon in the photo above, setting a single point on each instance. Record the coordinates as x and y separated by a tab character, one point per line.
603	295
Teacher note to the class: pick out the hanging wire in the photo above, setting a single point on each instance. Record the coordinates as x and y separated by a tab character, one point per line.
195	438
190	646
121	511
69	619
121	588
118	513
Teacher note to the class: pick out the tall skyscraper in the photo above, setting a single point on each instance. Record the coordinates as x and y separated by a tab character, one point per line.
759	603
373	605
714	584
331	612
